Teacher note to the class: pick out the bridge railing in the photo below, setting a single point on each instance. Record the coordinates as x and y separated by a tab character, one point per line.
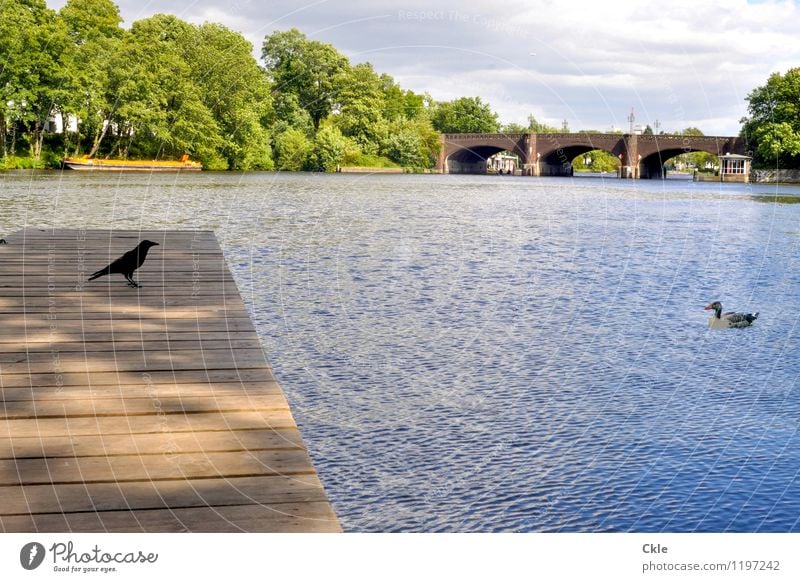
489	136
509	136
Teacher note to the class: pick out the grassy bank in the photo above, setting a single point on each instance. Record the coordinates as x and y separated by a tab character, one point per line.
29	163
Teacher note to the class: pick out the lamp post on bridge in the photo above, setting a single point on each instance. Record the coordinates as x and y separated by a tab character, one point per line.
631	119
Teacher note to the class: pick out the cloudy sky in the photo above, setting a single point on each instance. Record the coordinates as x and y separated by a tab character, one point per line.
680	62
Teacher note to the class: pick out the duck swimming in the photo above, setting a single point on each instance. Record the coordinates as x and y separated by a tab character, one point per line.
730	319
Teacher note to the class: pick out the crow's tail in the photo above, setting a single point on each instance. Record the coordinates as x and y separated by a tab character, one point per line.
99	273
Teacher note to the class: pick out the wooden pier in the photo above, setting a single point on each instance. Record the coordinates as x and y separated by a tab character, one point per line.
150	409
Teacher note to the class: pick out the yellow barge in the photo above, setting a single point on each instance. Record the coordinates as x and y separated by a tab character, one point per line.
93	164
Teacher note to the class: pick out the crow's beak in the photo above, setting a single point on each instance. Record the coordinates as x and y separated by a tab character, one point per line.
156	244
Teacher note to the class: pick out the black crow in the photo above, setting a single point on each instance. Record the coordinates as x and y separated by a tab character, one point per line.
127	263
3	241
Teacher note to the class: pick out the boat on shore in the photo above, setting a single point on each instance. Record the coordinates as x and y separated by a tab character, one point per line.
94	164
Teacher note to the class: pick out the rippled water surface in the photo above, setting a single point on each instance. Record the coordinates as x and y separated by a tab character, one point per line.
505	354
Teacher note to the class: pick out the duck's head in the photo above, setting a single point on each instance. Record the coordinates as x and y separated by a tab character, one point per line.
716	306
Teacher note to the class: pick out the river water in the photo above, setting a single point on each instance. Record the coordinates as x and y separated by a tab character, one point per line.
476	353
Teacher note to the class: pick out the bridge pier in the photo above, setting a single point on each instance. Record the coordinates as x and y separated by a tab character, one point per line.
546	169
630	158
629	172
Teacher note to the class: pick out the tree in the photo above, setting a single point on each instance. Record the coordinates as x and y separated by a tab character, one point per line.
772	128
412	143
292	149
329	149
692	131
599	161
361	102
465	115
399	102
160	107
514	128
94	28
35	55
307	68
535	127
237	93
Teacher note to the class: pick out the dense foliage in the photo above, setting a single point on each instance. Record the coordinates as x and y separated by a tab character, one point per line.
772	128
165	87
465	115
329	112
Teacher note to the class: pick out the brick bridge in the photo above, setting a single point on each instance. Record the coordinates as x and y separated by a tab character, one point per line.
551	154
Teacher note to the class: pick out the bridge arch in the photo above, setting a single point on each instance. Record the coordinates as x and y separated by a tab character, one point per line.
466	153
655	150
652	166
555	152
471	160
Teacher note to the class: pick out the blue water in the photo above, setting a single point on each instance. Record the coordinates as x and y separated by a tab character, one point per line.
505	354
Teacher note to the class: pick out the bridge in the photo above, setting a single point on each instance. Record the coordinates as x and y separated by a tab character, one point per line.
551	154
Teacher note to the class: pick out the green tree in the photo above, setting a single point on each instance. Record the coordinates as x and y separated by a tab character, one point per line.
160	107
465	115
94	28
514	128
286	112
399	102
598	161
292	149
329	149
537	127
772	128
361	102
412	143
309	69
237	93
35	56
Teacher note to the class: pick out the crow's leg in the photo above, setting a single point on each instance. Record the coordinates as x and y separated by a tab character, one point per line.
130	280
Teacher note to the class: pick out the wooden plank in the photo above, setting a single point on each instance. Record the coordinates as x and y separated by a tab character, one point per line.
38	324
125	312
149	409
273	518
126	406
122	468
154	423
149	444
58	379
41	394
11	352
59	337
103	301
147	494
134	361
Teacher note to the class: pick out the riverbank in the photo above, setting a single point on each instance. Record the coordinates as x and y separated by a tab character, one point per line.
775	176
28	163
